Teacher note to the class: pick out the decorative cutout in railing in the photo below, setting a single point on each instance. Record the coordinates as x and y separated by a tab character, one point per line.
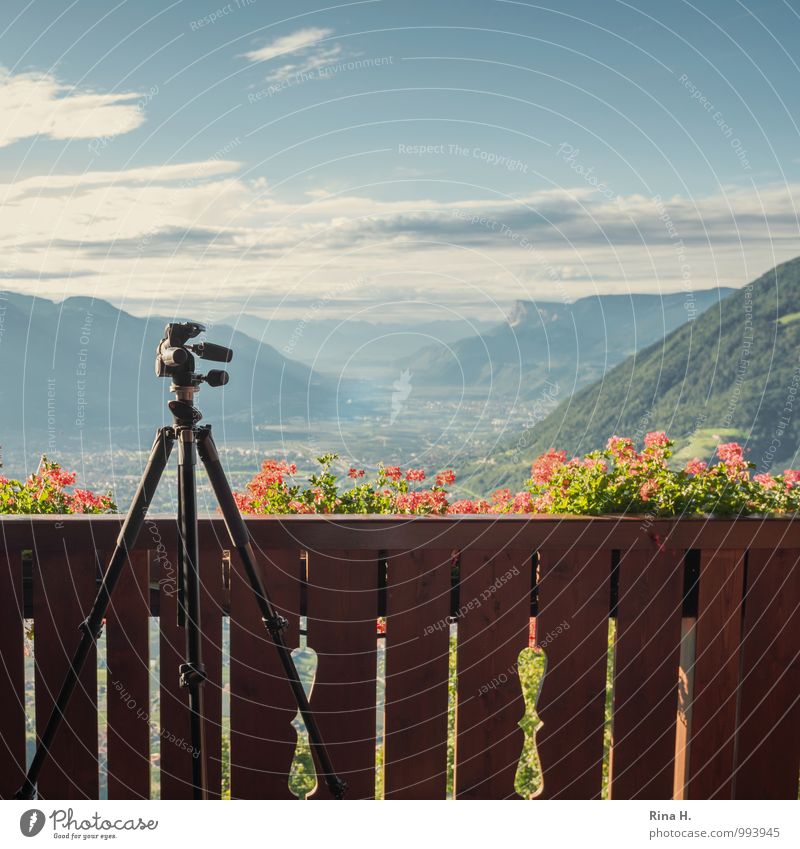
302	775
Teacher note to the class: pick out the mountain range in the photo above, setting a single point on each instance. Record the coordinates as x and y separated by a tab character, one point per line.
733	373
566	344
354	348
83	369
80	373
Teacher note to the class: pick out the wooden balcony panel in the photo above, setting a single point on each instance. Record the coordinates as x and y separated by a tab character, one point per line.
734	735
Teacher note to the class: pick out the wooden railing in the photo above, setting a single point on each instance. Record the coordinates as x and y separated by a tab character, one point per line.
706	682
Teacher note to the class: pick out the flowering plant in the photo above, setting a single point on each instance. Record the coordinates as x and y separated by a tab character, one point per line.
45	491
621	479
390	491
618	479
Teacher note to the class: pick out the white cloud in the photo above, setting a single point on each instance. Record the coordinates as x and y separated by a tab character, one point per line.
201	230
304	45
113	207
308	65
187	172
34	104
302	39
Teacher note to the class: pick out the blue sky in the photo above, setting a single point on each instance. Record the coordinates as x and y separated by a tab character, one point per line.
449	156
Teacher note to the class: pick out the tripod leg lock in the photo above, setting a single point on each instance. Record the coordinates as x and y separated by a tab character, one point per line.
93	631
275	624
192	674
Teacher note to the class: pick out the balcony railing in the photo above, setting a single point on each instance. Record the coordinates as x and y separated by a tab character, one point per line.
706	680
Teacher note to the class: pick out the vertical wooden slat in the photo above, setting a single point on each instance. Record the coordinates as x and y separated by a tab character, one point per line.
648	644
212	610
684	717
716	675
342	610
492	630
768	743
263	740
64	588
572	630
129	682
417	651
176	748
174	742
12	675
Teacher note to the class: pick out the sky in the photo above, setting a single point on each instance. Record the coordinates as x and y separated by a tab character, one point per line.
394	158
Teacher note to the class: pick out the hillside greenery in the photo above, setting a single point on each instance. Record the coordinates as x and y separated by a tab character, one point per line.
731	374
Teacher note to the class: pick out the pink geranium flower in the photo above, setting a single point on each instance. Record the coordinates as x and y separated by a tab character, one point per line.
656	439
791	477
695	467
648	489
732	455
544	467
767	481
621	447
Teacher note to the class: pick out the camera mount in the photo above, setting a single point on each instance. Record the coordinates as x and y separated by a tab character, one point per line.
175	358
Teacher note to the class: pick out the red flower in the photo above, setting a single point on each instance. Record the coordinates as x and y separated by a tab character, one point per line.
544	467
467	506
415	475
84	501
59	478
695	467
244	502
648	489
767	481
445	478
655	439
278	467
732	455
270	476
522	503
355	473
392	472
730	452
425	501
621	447
791	477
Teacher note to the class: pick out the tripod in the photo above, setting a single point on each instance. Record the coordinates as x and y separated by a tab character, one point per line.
175	359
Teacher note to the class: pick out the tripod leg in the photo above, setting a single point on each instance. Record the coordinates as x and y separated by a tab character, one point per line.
93	624
192	671
274	622
181	569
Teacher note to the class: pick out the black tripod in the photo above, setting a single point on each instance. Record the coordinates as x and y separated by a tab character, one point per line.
175	359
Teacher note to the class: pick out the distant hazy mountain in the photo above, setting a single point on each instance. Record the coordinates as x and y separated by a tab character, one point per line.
570	345
353	348
82	368
733	373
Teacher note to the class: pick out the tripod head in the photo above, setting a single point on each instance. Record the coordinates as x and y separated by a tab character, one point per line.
175	358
